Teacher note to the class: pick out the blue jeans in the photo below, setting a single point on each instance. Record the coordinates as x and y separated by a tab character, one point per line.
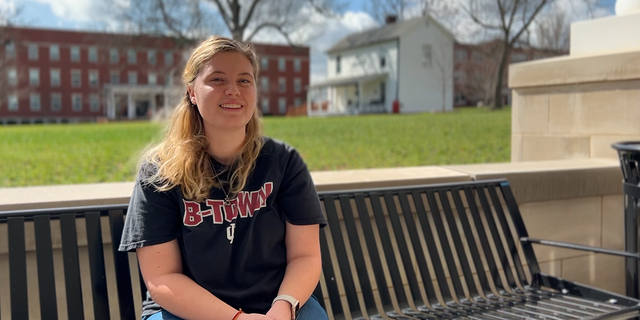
312	310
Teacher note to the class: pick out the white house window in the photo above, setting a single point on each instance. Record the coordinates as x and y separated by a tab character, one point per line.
34	101
93	78
54	75
297	85
76	102
114	55
93	54
151	57
168	58
33	51
10	50
264	103
152	78
282	105
264	84
264	63
75	54
12	76
383	61
338	64
54	52
426	51
131	56
56	102
76	80
282	85
94	102
133	77
282	66
34	77
12	102
114	77
297	65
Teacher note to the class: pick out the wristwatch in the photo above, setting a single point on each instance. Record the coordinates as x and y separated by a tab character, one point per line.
295	304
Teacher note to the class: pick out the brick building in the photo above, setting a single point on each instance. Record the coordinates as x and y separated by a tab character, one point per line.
474	70
68	76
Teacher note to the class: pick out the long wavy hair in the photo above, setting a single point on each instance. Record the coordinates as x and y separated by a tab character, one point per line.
181	158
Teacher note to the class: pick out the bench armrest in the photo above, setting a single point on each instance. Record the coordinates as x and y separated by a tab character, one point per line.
580	247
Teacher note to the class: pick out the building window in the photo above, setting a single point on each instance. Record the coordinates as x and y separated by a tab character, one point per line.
338	64
518	57
131	56
282	85
33	51
383	61
460	55
12	102
76	102
133	77
76	78
264	63
94	102
477	56
282	105
297	85
114	55
54	52
10	50
264	84
264	103
151	57
12	76
152	78
297	65
56	102
297	102
93	78
75	54
93	54
114	77
426	52
34	101
34	77
168	58
282	66
54	74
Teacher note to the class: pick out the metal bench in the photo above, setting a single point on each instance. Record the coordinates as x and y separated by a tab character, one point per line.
372	250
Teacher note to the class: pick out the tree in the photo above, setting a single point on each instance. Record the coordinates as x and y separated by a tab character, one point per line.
13	78
510	18
189	19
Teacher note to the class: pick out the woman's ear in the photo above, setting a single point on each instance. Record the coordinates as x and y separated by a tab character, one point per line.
192	96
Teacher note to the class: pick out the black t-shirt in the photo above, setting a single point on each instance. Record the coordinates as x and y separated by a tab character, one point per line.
236	252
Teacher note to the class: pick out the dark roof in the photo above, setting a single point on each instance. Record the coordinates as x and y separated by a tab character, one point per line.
385	33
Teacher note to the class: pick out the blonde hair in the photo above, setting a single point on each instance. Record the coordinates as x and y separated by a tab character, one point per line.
181	158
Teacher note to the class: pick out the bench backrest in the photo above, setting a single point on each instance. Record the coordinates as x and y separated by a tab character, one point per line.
392	239
370	243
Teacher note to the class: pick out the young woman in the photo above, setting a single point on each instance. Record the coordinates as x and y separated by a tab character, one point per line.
225	222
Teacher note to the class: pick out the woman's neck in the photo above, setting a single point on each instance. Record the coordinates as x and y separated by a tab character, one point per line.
225	146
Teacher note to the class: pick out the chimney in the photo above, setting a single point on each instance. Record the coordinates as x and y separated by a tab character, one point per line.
391	19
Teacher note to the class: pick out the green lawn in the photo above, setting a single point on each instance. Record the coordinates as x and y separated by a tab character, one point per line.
86	153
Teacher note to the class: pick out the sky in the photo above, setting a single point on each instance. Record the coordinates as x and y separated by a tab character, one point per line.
80	15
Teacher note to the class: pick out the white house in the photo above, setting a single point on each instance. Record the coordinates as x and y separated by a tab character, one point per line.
401	67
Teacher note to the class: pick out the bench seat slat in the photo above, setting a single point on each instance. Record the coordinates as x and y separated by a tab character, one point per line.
330	278
121	265
18	268
73	284
46	275
97	267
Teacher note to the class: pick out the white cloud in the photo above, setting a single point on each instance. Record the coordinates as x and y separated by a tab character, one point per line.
72	10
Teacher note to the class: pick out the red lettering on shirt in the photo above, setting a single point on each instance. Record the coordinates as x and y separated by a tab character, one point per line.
264	193
248	203
192	216
216	207
230	211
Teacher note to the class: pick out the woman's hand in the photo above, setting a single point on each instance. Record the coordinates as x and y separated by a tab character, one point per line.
253	316
280	310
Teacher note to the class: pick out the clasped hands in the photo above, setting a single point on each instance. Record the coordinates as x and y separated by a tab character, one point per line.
280	310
